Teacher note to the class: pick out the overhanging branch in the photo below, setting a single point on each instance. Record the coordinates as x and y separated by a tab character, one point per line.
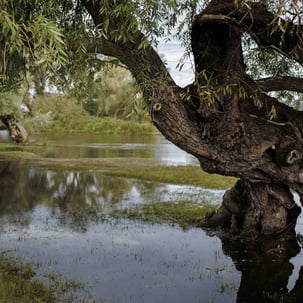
281	83
267	29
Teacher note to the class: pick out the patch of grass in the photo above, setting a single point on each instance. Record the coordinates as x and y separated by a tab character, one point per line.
11	150
7	145
18	284
137	169
190	175
186	214
143	169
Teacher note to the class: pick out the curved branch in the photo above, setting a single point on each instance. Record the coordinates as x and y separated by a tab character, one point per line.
162	95
281	83
267	29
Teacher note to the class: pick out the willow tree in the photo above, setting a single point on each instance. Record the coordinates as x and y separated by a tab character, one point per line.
226	118
31	49
230	120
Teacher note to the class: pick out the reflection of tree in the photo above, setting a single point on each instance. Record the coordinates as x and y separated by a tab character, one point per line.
265	266
15	194
74	198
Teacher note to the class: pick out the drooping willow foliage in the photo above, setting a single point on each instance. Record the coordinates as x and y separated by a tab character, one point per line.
55	42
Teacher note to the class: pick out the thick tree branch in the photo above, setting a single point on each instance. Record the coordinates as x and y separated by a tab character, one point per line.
281	83
163	96
223	117
261	24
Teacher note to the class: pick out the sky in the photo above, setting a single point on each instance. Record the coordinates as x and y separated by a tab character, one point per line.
173	52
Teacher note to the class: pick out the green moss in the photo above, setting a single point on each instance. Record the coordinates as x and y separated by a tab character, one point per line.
191	175
184	213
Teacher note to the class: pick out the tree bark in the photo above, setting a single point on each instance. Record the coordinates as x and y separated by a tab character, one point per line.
16	130
222	118
256	208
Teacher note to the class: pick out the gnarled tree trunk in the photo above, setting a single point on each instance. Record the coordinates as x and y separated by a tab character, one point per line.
256	208
16	130
222	118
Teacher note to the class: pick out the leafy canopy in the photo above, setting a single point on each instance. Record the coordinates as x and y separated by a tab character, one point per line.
55	41
30	41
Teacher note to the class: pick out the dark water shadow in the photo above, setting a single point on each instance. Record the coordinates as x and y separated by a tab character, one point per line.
266	268
76	198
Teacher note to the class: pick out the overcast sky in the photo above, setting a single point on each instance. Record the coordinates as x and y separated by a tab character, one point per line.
173	52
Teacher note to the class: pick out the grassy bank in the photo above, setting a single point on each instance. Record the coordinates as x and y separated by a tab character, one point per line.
189	175
105	125
142	169
19	284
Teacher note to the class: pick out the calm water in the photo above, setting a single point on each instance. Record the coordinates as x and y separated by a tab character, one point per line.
153	147
54	218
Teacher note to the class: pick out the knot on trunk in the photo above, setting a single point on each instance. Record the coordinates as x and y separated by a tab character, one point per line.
288	153
157	107
293	156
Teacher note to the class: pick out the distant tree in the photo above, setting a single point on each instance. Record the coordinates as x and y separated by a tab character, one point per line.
31	49
109	92
226	117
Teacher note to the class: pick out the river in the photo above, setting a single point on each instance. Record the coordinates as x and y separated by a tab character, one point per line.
51	218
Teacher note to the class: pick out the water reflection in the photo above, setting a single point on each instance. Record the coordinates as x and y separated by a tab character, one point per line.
266	269
53	217
4	136
77	198
154	147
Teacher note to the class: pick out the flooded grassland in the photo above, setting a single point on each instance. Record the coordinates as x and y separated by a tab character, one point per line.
111	219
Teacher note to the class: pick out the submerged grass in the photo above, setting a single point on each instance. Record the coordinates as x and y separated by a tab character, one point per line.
184	213
144	169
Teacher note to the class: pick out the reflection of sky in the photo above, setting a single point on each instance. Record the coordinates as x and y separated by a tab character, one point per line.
140	193
154	147
129	262
4	135
170	154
